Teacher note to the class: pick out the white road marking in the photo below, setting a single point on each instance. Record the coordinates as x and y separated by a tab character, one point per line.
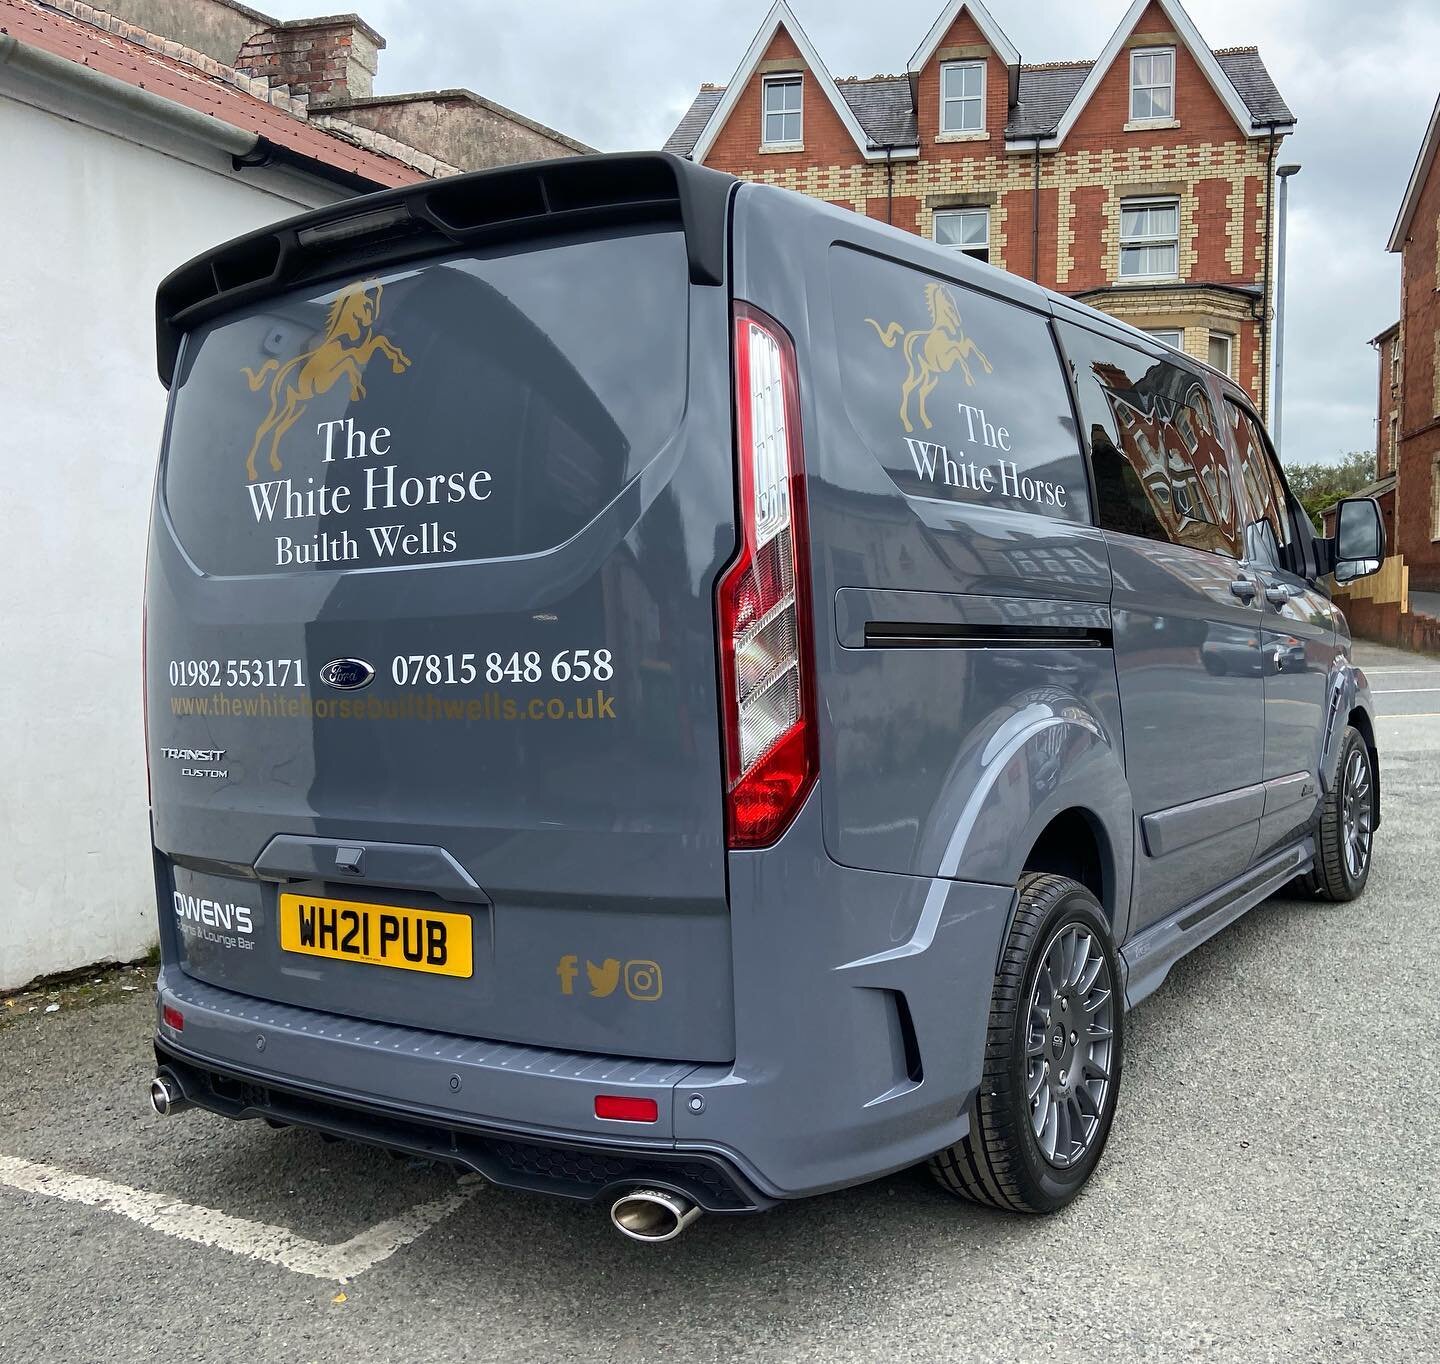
1399	691
255	1240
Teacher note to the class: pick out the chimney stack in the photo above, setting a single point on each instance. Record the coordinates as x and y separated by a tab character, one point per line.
330	60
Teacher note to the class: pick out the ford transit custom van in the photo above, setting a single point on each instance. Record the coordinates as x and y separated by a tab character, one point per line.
668	693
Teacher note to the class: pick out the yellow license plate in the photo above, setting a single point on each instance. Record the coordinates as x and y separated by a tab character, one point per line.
381	935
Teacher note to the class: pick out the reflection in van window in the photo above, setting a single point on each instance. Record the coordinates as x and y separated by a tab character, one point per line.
1155	446
1263	489
958	395
465	408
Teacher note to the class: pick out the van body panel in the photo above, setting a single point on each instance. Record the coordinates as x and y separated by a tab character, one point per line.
982	514
480	734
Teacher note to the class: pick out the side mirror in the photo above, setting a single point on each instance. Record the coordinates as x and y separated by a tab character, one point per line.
1358	546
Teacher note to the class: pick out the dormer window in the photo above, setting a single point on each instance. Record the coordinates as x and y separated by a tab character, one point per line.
782	126
1152	83
962	97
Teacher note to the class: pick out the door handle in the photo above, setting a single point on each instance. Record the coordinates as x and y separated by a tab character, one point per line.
1244	589
1277	594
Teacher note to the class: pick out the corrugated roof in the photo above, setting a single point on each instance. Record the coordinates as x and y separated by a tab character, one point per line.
887	113
137	65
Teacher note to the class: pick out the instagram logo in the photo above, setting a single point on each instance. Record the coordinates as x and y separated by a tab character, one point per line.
642	980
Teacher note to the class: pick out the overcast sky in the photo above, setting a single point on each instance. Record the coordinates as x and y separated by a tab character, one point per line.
617	74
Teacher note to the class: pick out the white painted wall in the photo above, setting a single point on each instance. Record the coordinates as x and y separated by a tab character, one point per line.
95	214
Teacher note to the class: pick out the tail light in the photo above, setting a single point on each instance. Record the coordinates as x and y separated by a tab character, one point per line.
764	618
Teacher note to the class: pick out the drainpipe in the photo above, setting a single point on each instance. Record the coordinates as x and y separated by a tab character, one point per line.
889	186
1265	291
1035	220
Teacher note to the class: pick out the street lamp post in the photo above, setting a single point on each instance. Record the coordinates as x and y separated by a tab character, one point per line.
1283	174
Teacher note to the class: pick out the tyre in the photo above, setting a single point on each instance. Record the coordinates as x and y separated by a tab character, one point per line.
1345	838
1053	1053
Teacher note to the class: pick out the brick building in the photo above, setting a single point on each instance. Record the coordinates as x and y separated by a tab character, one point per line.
1412	366
1387	431
1138	182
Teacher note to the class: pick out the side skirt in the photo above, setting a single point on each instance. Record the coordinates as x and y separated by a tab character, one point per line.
1148	957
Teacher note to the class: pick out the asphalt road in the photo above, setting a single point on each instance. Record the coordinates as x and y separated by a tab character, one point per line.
1270	1191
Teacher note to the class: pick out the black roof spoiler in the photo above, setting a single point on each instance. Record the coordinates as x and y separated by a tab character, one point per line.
376	230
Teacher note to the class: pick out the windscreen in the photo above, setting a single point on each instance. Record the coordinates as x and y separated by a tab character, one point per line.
466	408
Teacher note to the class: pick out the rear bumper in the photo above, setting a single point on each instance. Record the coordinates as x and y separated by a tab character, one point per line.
564	1167
861	1007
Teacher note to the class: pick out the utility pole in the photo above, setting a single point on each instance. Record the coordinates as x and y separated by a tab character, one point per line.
1283	174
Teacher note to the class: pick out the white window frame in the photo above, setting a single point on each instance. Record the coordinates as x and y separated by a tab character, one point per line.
969	248
1136	54
947	100
1228	368
1163	335
1150	239
766	113
1395	362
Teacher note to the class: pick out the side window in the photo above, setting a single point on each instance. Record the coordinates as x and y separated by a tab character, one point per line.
958	395
1269	532
1156	447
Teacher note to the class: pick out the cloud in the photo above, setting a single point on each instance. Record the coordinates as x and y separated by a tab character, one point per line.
619	74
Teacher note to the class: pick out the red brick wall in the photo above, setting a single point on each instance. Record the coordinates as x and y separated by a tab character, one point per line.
1419	425
964	32
827	142
1201	113
1091	206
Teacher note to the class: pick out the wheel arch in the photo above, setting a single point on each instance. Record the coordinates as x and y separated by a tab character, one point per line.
1364	722
1075	844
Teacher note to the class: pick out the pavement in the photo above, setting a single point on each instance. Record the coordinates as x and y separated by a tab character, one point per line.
1270	1191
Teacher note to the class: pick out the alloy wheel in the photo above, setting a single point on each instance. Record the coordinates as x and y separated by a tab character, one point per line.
1069	1036
1358	819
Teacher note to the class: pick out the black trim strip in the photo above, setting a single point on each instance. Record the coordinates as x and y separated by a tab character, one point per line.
1279	866
889	634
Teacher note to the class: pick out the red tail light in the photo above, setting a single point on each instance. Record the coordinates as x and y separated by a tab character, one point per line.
763	607
173	1018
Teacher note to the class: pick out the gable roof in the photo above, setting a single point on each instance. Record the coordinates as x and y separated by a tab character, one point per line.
1043	97
781	16
1424	163
1230	95
984	21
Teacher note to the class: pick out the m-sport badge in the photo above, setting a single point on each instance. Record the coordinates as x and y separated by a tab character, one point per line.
347	674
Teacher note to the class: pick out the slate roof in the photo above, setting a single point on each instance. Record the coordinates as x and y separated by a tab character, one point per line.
886	111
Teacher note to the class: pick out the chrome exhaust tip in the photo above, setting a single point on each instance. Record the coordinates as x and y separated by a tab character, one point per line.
652	1215
166	1096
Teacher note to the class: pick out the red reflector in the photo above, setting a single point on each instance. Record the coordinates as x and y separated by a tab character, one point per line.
173	1017
623	1109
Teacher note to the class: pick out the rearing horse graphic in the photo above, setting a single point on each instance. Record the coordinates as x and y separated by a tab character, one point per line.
351	319
931	351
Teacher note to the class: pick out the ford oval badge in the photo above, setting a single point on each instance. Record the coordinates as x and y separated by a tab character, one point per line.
347	674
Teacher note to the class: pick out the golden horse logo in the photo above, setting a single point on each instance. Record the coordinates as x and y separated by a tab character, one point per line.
931	351
349	343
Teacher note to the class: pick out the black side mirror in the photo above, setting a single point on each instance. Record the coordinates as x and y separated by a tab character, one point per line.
1357	548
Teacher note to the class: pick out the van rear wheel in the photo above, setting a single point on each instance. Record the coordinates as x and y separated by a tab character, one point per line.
1345	837
1053	1057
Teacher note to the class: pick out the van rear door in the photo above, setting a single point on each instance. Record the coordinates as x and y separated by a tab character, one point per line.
431	666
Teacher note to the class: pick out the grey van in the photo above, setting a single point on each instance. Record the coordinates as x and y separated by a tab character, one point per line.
665	692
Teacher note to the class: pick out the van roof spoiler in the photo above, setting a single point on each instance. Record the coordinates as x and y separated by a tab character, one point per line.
372	231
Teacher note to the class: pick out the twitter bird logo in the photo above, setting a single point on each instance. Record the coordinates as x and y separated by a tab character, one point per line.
603	978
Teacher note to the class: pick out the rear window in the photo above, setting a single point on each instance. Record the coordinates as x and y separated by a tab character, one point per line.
958	394
466	408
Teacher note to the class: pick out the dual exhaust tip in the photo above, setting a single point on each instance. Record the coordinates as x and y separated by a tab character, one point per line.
649	1215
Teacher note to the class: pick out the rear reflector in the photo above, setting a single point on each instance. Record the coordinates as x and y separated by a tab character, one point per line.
173	1018
763	601
622	1108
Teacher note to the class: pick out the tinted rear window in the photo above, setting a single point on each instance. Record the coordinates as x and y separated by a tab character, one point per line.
958	394
466	408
